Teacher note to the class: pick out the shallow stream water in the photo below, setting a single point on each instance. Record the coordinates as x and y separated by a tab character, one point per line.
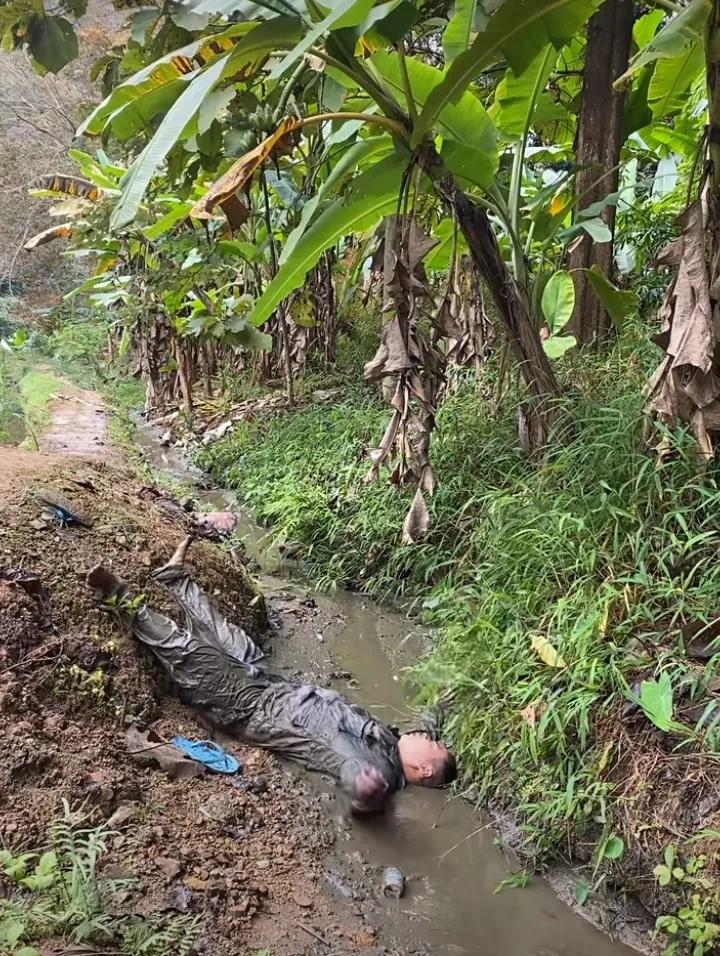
448	851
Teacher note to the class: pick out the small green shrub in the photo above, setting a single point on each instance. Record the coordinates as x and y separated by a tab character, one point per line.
60	892
694	926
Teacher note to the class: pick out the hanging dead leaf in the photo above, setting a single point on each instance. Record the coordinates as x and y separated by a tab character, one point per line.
413	362
236	211
392	356
529	715
686	385
280	143
417	521
546	652
63	231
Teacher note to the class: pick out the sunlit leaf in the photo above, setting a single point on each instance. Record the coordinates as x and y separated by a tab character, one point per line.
546	652
656	700
517	32
153	89
684	30
557	345
458	31
673	77
142	170
520	101
343	13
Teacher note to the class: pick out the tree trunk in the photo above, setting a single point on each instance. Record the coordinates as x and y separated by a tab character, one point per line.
326	304
599	142
713	85
207	369
522	333
185	386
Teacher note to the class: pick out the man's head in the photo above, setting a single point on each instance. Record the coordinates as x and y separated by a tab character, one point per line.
426	762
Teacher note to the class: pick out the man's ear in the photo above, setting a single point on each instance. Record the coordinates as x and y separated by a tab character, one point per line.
425	770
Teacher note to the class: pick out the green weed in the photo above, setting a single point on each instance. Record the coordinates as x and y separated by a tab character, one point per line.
60	892
693	927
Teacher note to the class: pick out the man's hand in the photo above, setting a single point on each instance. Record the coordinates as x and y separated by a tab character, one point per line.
369	790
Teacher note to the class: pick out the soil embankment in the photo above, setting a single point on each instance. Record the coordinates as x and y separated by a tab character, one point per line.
247	859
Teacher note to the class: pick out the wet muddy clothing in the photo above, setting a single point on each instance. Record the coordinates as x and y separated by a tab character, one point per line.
214	665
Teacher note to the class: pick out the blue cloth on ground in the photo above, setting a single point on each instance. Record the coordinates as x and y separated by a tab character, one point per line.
208	753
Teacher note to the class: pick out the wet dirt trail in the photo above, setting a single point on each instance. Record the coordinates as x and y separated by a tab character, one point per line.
448	852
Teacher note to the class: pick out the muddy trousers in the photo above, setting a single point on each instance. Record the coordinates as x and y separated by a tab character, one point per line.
207	649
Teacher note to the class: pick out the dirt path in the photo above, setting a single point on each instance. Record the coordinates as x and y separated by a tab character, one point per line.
79	425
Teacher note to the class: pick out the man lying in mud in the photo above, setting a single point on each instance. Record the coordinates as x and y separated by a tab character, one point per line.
214	665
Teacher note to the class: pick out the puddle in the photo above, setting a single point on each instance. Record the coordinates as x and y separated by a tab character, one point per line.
447	851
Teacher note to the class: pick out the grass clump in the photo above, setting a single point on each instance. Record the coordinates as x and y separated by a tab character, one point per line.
59	891
557	588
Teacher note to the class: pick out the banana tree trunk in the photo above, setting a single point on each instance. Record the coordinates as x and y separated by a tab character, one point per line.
523	334
712	39
599	141
326	305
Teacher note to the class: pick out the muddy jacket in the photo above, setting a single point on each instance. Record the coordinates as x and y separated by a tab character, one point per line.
214	665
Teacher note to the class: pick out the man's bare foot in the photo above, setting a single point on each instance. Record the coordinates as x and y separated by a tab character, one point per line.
105	582
178	558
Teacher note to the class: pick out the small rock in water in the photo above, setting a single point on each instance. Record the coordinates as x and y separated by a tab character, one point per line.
341	675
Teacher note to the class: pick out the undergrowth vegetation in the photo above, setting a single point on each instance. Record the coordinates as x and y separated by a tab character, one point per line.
59	891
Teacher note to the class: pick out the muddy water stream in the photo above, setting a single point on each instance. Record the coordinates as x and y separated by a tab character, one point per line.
447	851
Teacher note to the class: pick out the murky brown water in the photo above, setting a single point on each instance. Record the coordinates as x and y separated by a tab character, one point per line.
447	850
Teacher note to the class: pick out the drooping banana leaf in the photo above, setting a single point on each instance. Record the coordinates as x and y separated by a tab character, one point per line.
516	32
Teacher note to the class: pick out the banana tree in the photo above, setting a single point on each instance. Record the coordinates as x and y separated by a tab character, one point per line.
416	105
410	133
